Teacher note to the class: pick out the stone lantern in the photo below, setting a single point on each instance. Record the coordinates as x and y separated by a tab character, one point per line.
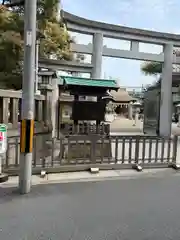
137	108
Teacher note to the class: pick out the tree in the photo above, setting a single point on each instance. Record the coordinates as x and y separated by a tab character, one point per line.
55	41
10	49
154	68
151	68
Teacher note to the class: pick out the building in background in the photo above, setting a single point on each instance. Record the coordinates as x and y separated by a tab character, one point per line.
136	92
121	103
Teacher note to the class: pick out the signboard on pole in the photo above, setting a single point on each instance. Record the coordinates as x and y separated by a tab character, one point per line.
3	138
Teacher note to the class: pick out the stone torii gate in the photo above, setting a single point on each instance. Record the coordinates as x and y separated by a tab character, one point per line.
99	30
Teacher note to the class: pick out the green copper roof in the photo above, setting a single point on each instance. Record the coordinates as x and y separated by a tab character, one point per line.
89	82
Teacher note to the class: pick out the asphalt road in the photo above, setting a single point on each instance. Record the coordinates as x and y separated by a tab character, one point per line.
125	209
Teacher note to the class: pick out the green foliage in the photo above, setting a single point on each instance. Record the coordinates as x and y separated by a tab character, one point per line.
52	34
11	44
151	68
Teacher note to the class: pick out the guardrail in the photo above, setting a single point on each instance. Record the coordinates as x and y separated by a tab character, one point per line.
77	153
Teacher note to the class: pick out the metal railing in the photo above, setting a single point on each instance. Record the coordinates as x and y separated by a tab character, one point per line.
77	153
84	129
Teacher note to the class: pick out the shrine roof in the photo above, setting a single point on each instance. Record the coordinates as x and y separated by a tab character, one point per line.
89	82
121	96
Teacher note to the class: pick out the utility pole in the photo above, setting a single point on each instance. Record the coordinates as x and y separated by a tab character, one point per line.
27	122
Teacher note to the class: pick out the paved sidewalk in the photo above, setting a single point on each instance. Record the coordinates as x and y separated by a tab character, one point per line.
86	176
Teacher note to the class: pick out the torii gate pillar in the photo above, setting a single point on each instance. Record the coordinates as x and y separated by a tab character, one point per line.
97	55
166	93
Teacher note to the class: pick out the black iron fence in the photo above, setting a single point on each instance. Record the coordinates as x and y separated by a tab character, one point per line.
81	152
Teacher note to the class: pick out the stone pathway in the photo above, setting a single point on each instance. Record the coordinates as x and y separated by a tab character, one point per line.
121	126
125	125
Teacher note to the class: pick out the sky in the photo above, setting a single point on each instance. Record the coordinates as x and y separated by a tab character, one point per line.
158	15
